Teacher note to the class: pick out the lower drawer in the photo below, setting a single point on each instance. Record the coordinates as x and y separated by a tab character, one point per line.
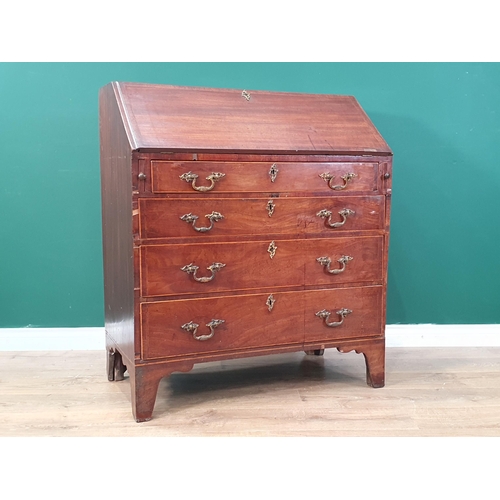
249	321
218	324
358	310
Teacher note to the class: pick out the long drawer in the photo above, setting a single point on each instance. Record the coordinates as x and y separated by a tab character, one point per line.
184	217
247	323
215	267
215	325
219	177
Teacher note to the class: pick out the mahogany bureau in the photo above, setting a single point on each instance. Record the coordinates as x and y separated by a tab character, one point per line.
239	223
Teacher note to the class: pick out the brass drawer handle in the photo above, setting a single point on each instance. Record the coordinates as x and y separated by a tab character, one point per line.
191	177
326	314
191	219
191	269
327	214
328	178
192	327
326	261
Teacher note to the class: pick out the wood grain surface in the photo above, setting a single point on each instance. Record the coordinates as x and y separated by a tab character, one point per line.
161	218
248	265
429	392
167	118
249	322
289	177
116	196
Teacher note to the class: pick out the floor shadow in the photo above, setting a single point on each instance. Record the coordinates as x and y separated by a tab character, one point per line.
267	374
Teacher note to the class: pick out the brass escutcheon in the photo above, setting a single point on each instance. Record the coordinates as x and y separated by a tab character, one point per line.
326	314
192	327
270	208
191	177
270	302
272	249
273	172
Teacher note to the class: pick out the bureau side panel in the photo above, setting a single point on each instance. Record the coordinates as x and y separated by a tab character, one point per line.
386	170
116	194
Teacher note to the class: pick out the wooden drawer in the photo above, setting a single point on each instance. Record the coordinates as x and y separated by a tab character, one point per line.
352	260
248	265
168	218
248	323
258	177
364	320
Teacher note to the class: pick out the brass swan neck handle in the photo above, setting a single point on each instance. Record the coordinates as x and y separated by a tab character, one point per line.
192	218
326	261
327	214
192	327
192	269
191	177
342	313
328	178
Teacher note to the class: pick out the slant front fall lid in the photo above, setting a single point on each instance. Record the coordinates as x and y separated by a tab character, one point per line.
171	118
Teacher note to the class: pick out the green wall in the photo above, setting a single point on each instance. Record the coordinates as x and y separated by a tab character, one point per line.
441	120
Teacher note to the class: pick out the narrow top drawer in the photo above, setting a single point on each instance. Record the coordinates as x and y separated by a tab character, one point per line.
204	177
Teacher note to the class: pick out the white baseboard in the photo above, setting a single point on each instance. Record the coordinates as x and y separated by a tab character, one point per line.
92	339
442	335
52	339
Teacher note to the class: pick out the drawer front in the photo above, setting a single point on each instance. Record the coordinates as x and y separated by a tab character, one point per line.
191	177
248	265
358	310
248	323
181	217
343	260
219	324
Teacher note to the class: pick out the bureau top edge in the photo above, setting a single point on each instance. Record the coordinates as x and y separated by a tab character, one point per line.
160	118
267	152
